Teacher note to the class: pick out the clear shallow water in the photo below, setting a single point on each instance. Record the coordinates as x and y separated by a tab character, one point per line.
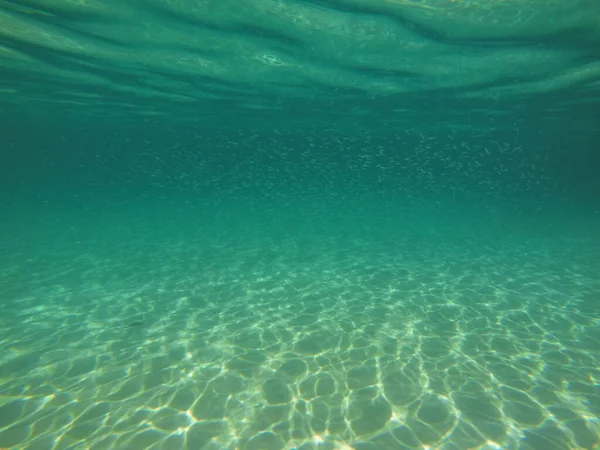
185	326
299	225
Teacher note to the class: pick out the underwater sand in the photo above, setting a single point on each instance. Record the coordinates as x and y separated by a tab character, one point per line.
231	327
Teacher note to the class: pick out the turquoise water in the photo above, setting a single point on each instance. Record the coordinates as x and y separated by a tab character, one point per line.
299	225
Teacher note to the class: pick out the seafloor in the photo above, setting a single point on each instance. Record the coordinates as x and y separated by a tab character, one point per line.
291	326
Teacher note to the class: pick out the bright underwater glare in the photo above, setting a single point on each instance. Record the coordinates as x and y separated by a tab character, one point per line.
300	224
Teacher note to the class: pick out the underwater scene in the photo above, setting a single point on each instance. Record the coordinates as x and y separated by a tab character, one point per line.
299	224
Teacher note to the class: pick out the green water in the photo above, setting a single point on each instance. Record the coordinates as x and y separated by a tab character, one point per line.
320	224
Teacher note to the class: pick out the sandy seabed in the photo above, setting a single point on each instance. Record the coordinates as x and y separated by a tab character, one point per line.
117	336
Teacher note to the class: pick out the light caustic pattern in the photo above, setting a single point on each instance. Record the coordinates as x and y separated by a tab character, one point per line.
271	342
